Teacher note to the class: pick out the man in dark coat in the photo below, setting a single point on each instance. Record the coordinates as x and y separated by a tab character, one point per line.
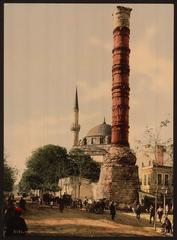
9	213
22	203
61	204
138	211
152	213
113	210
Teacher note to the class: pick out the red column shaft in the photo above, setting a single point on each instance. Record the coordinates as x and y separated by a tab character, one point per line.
120	86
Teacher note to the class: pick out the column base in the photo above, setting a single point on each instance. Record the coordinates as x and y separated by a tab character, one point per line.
119	179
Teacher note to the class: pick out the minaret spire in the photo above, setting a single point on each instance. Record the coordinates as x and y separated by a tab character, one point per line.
75	126
76	105
104	120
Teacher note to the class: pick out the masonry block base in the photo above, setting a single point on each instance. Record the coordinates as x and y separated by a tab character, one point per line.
119	180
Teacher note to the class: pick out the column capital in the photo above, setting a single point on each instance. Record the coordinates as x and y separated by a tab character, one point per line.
121	17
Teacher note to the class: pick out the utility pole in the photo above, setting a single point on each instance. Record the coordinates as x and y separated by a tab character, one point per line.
164	203
155	217
164	199
156	194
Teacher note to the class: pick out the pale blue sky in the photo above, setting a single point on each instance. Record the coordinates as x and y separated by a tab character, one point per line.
49	49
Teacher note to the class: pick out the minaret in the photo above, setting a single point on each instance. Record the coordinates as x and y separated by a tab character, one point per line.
75	126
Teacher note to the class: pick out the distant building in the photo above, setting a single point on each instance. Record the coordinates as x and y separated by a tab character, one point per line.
96	144
157	178
77	187
156	172
97	141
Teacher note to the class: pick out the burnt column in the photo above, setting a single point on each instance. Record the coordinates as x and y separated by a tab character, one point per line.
120	76
119	179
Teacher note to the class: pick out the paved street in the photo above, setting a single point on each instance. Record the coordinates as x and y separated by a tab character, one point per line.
74	222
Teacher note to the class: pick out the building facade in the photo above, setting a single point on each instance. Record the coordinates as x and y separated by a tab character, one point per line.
77	187
157	177
97	141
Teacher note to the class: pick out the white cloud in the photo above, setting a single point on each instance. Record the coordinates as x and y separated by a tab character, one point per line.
96	42
90	93
144	60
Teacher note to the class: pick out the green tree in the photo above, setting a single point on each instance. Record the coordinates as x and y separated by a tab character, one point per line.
29	180
8	177
45	167
83	166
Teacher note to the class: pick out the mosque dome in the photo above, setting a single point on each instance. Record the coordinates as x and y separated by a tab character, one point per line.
103	129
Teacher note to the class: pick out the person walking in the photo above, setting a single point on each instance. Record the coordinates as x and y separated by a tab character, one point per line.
61	204
167	226
166	209
51	203
85	201
160	213
113	210
152	213
138	211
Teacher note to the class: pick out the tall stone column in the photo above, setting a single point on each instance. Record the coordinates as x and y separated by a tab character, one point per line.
120	76
119	175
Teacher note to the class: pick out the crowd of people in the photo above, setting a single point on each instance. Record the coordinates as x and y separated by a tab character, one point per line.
88	204
166	226
14	223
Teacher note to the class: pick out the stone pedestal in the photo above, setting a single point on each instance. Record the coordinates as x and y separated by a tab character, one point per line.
119	177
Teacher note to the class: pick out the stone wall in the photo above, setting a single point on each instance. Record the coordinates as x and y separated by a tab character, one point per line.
70	186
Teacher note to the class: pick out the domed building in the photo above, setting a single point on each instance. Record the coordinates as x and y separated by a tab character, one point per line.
101	134
97	141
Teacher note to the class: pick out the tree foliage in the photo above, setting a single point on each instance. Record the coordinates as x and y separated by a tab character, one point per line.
44	168
49	163
8	177
29	181
83	165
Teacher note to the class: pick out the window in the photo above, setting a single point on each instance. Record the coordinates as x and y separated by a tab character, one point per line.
95	140
159	177
166	179
89	141
145	179
149	179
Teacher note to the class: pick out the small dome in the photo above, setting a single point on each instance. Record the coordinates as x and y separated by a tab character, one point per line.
100	130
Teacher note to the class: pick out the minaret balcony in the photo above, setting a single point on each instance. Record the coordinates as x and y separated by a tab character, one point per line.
75	127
